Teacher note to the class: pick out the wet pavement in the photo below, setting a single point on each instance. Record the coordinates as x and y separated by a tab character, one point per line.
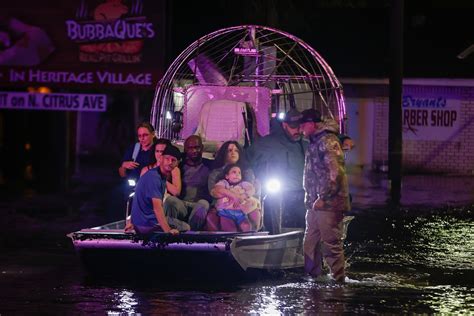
371	190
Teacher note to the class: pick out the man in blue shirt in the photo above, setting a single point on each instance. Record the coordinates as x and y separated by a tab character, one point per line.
147	209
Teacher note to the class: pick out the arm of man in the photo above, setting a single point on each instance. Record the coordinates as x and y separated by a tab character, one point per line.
160	216
333	161
212	179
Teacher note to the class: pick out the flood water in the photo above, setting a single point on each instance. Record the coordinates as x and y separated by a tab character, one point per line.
403	264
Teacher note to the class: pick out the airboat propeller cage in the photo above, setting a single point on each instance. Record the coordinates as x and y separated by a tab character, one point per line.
251	69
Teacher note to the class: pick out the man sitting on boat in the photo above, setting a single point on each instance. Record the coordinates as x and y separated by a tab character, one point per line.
193	202
147	208
173	185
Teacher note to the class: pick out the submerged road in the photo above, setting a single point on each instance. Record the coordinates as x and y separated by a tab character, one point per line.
416	259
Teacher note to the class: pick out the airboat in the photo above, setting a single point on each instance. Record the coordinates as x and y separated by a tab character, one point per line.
227	85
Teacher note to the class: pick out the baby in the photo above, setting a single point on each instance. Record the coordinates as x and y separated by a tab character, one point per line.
236	205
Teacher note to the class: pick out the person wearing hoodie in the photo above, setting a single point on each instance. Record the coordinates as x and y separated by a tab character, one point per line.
326	196
281	155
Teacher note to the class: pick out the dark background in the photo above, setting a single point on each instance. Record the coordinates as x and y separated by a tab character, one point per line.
353	36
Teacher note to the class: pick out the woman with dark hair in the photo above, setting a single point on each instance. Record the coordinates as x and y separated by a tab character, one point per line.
230	153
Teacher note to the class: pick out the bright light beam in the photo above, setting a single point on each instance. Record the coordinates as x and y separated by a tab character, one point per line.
273	185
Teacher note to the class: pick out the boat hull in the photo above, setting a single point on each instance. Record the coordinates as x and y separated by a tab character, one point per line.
108	251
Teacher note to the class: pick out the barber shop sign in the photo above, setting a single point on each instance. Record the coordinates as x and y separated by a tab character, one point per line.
430	117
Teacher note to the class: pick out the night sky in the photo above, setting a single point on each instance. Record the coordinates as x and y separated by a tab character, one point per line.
353	36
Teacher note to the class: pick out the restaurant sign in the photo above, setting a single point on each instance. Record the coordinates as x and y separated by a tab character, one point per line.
110	32
83	44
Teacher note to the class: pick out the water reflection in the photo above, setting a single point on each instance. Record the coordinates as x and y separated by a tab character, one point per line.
126	303
447	299
268	303
404	264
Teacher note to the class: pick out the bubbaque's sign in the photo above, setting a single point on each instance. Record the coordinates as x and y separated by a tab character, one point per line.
111	31
430	118
53	101
95	43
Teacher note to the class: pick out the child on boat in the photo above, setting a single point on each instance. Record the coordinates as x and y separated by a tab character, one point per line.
236	203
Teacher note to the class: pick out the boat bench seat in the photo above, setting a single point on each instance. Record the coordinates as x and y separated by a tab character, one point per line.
221	121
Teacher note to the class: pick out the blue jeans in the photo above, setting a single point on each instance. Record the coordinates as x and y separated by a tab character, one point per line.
194	212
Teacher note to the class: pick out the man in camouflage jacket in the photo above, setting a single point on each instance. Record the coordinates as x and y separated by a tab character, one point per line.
327	196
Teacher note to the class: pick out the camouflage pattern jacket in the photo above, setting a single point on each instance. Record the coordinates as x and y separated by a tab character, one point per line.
325	172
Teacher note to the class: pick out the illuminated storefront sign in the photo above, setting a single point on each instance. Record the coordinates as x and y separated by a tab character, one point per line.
430	118
112	31
84	44
87	77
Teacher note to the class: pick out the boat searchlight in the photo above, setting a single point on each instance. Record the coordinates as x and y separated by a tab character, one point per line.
273	185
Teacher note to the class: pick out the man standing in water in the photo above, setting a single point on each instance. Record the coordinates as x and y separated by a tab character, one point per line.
326	198
282	152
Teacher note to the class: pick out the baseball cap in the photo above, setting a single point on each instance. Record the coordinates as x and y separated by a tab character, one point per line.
171	150
310	115
292	118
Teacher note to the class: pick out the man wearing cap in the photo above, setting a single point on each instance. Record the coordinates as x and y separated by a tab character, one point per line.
281	155
147	207
327	196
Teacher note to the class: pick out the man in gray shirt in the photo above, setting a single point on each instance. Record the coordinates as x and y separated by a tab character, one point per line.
193	203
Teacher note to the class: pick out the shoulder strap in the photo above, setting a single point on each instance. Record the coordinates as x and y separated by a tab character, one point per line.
136	150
